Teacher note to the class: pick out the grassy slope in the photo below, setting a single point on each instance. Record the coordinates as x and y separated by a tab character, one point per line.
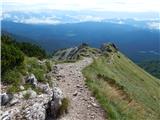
124	90
29	65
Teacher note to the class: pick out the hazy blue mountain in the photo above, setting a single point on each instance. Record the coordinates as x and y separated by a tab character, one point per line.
136	42
69	16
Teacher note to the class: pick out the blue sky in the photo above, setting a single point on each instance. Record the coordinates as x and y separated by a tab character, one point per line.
96	5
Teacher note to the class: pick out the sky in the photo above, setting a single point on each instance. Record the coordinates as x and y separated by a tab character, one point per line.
95	5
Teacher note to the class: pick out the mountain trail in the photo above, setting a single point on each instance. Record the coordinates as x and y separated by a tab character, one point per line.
83	106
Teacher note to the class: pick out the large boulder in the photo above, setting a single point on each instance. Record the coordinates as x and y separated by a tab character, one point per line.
39	108
14	101
6	98
56	102
32	80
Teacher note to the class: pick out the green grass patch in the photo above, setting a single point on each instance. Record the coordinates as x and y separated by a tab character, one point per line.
64	107
124	90
13	88
38	69
26	96
12	77
30	65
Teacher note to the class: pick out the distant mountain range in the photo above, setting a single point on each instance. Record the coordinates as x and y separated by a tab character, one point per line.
142	19
135	42
136	34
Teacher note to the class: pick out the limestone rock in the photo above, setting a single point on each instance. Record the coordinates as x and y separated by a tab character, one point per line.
5	116
6	98
56	102
32	80
10	114
75	93
14	101
57	94
35	112
45	88
21	87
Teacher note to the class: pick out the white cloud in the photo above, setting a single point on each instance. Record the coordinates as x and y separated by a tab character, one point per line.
36	20
83	18
154	25
104	5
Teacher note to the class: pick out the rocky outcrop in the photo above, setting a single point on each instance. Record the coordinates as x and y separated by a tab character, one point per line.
37	111
6	98
109	47
32	80
76	53
45	88
36	107
56	102
11	114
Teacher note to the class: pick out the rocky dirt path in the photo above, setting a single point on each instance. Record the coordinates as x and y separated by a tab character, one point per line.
82	105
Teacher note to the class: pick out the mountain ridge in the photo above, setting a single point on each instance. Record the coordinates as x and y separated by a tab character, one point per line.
124	90
120	86
52	37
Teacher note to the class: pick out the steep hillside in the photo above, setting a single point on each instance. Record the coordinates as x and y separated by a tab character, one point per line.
151	66
19	59
28	90
122	88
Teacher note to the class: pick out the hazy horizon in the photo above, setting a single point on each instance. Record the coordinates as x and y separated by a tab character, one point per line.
120	21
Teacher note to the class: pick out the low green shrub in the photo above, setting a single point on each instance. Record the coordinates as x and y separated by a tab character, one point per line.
64	107
48	65
13	89
39	70
12	77
39	74
26	96
11	57
32	50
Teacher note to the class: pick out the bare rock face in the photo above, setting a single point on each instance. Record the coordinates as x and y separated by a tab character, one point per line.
37	111
14	101
57	94
32	80
10	114
5	115
55	103
34	108
6	98
45	88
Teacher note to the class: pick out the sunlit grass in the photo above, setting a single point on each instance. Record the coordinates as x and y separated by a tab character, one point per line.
135	94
